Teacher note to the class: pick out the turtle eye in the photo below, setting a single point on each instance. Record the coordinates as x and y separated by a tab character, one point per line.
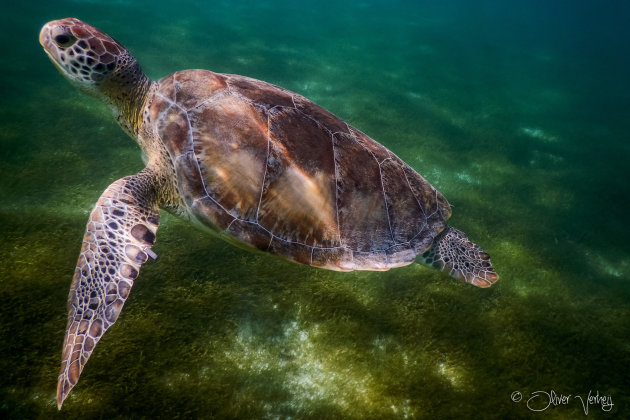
65	40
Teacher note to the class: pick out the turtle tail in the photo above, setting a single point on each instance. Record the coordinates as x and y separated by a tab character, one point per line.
453	253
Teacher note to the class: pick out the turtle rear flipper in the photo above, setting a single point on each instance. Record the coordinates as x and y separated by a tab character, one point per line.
118	239
453	253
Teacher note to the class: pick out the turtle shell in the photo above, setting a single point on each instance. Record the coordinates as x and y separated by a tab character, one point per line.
271	169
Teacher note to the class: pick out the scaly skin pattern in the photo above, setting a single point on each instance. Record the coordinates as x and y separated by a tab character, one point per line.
124	222
98	66
117	241
261	166
453	253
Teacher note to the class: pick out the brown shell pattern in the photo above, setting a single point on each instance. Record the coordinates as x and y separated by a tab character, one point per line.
277	172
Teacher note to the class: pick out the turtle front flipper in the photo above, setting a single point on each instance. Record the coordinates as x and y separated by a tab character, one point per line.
118	239
453	253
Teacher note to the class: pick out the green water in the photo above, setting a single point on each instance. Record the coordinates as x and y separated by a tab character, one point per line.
518	112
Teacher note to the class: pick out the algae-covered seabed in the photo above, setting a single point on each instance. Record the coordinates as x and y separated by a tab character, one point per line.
517	112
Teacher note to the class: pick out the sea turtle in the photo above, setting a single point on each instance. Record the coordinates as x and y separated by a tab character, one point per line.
262	167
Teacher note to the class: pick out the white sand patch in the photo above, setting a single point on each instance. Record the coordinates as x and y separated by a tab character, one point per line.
311	377
467	178
538	134
452	373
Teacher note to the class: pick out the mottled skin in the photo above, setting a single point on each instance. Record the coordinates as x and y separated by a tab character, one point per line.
258	165
118	239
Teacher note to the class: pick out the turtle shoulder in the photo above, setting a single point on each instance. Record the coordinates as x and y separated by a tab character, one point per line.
273	170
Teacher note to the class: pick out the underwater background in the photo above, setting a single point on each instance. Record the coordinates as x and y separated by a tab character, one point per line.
517	111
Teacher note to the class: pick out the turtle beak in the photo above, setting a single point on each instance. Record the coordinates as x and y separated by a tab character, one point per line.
49	47
44	36
44	40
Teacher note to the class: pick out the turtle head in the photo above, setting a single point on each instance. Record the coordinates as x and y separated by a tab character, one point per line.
96	63
84	54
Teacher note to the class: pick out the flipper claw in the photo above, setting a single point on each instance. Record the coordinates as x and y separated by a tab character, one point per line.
150	253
